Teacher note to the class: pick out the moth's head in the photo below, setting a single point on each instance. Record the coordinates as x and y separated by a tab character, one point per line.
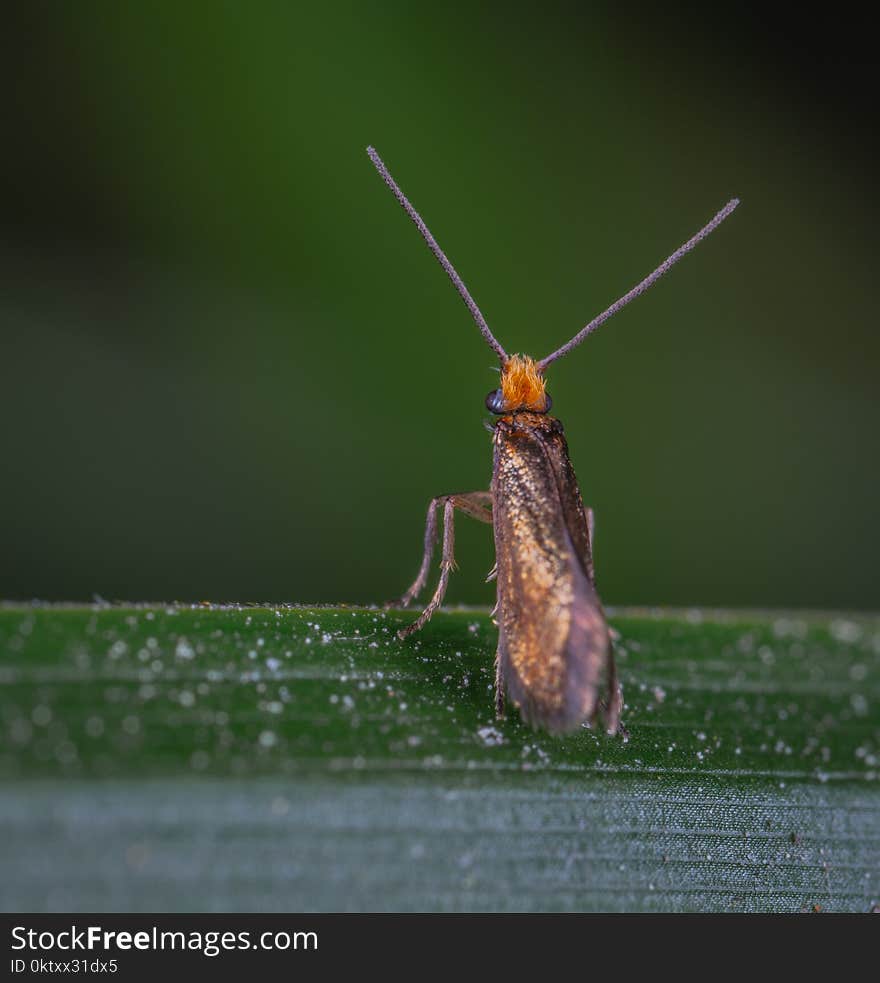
522	388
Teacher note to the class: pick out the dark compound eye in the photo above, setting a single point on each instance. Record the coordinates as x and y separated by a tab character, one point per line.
495	401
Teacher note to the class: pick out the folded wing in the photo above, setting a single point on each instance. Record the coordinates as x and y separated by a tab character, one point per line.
554	649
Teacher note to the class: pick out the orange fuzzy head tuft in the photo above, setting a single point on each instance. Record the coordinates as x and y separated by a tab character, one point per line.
522	386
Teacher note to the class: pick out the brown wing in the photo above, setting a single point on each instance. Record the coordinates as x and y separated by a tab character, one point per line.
553	645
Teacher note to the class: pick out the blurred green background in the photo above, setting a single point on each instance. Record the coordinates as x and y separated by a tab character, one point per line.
231	370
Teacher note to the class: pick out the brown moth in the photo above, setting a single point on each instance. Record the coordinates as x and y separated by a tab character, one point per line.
554	659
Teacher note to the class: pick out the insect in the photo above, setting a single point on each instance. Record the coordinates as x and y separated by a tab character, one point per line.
554	659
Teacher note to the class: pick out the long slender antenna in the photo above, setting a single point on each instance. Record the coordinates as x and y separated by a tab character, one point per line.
641	287
441	256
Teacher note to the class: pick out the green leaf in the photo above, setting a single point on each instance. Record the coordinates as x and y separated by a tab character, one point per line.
280	758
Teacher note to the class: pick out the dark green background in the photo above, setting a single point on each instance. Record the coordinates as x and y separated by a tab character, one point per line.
230	369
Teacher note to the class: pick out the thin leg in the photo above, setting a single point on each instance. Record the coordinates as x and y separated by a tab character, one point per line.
479	506
609	709
591	559
446	564
614	703
499	687
418	585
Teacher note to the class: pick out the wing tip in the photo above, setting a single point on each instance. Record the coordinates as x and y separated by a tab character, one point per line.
559	723
583	706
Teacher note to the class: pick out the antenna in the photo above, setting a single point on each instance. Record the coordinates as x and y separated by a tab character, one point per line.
641	287
441	256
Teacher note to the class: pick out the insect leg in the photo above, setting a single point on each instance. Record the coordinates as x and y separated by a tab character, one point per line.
478	505
446	565
612	706
499	687
590	559
418	585
608	709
